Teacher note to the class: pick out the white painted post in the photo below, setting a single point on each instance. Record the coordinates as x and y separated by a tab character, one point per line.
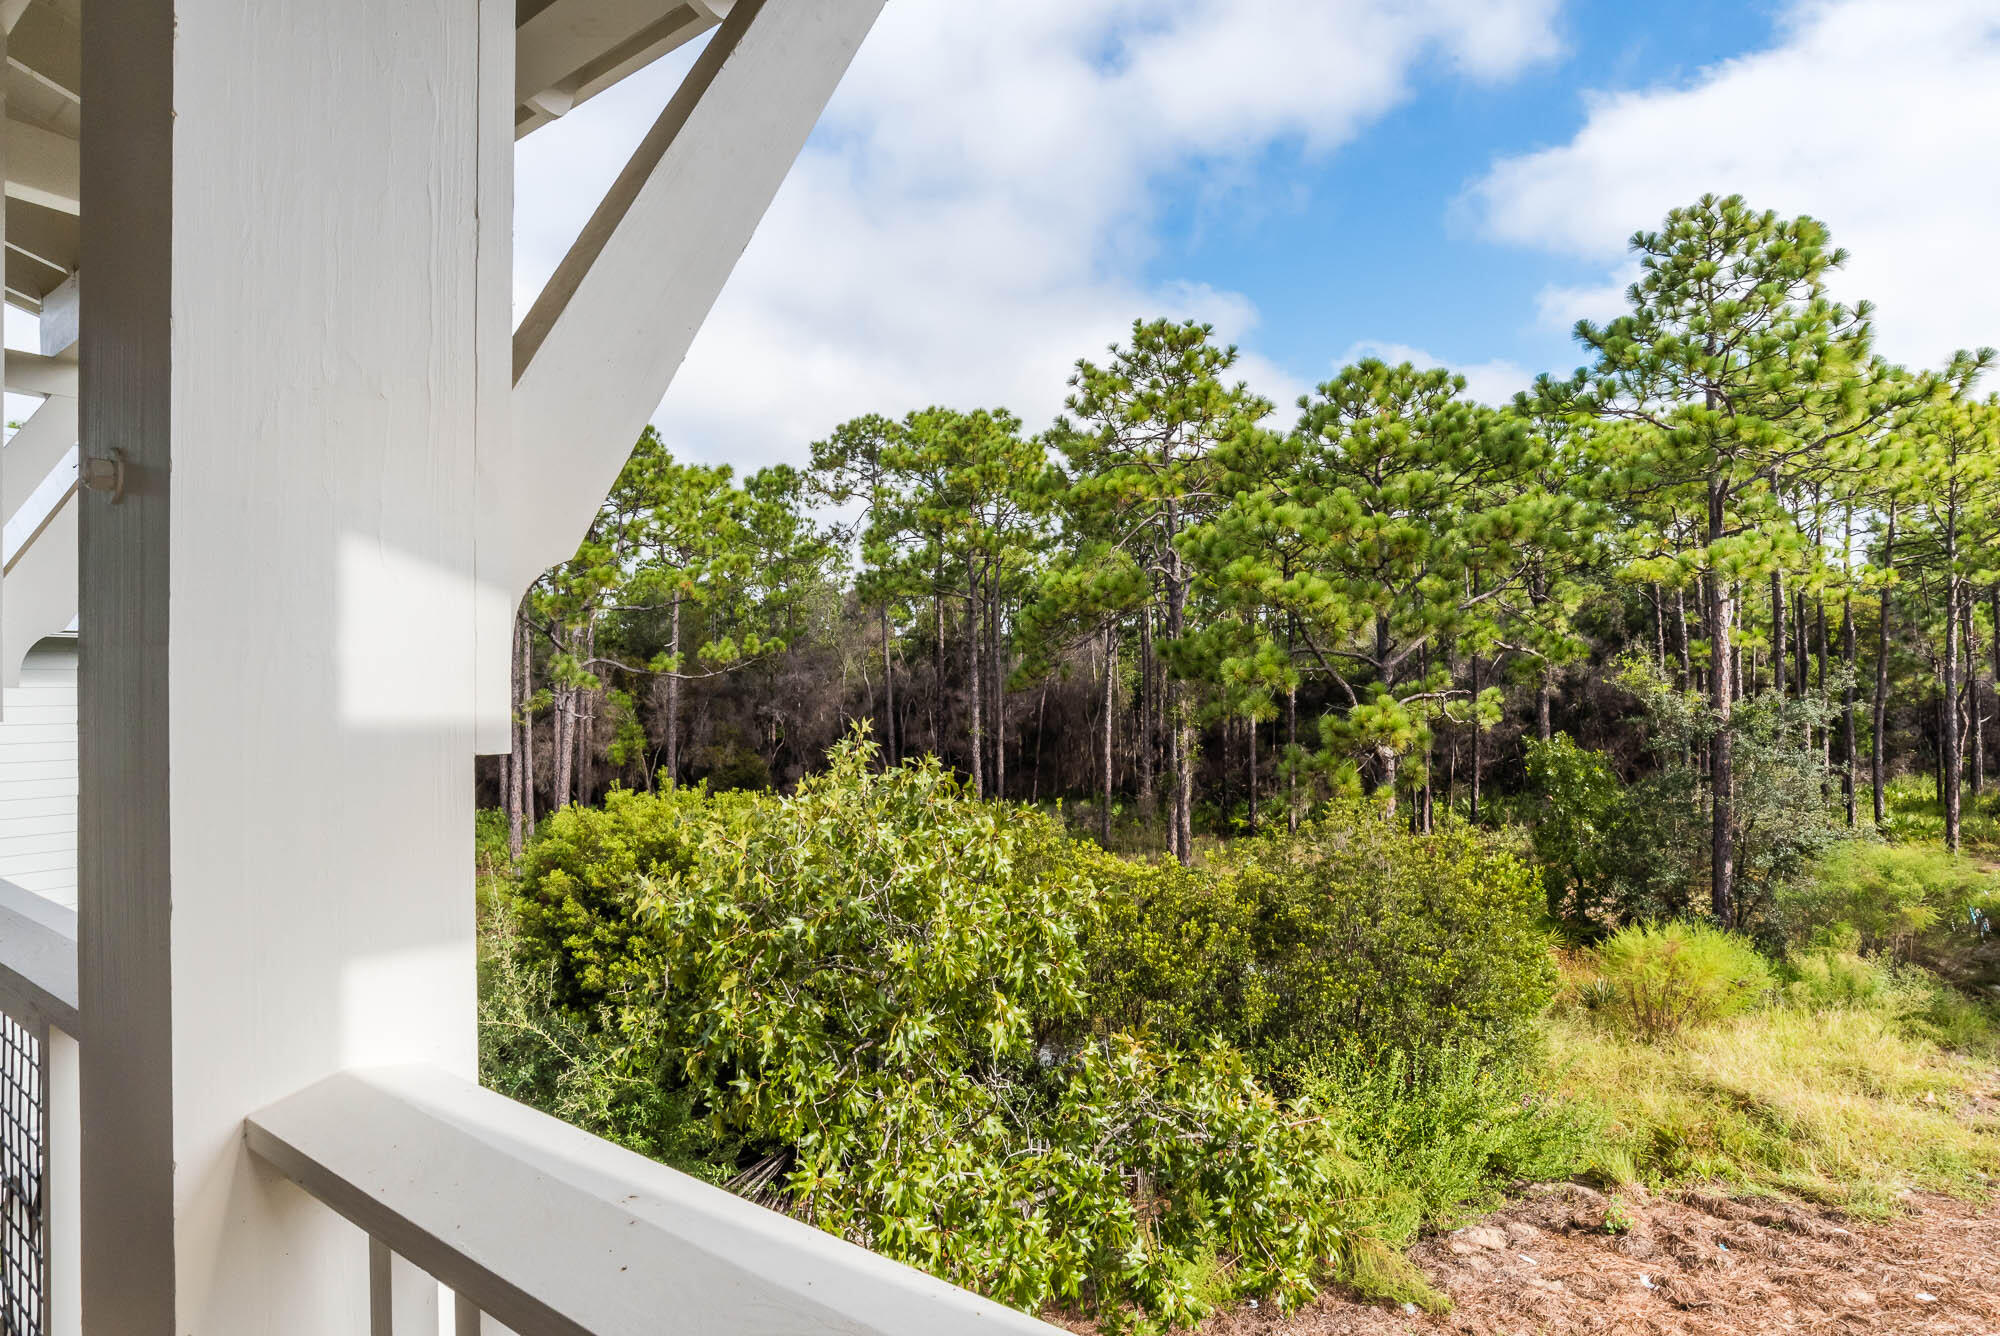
276	694
62	1182
402	1300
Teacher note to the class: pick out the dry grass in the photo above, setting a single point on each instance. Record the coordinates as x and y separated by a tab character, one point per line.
1840	1106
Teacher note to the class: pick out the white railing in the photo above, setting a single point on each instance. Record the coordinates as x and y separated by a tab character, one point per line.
530	1225
549	1231
40	1242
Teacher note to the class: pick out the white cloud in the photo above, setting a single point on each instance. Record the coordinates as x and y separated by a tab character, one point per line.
1494	382
1879	117
978	210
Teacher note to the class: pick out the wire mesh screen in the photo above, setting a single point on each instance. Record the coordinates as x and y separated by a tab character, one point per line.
23	1155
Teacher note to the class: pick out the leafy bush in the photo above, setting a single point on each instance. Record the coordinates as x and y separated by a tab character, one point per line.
1574	825
1353	935
873	989
1637	852
1657	981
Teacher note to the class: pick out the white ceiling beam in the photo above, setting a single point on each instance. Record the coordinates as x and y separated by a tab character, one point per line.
42	166
61	315
30	373
570	50
48	48
48	235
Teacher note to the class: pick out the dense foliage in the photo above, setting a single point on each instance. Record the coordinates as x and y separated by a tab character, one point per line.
874	990
1352	937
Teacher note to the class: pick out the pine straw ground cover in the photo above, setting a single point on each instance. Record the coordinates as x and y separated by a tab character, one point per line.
1686	1264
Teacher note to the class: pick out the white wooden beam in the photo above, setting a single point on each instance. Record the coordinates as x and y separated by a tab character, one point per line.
570	50
40	571
42	166
596	353
49	235
48	48
32	451
32	373
60	313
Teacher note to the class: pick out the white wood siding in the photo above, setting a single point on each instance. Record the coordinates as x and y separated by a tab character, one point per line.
38	774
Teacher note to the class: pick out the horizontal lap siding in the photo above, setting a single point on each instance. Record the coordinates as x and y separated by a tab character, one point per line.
38	775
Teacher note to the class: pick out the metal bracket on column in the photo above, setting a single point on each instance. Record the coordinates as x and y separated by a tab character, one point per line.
106	474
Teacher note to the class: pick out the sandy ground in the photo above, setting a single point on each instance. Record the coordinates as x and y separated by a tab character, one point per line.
1691	1262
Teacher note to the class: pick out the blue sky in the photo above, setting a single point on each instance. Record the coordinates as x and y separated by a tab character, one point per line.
997	190
1370	243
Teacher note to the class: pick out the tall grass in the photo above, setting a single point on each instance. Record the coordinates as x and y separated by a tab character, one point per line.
1841	1105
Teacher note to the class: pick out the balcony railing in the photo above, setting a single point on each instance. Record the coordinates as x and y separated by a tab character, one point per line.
521	1222
546	1229
38	1116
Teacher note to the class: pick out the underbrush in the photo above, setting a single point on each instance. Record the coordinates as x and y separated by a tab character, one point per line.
1072	1080
943	1029
1855	1086
1917	814
1437	1139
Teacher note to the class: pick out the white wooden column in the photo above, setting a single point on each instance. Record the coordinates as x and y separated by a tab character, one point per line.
280	216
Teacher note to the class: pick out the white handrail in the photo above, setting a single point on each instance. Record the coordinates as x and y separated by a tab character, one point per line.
550	1230
37	959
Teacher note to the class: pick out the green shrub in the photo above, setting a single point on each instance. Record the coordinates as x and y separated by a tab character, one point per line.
1637	852
1659	980
1574	826
1353	935
877	985
1836	975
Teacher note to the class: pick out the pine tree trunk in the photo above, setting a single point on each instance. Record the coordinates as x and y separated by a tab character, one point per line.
888	694
1876	760
586	728
527	734
1478	741
1975	735
565	752
937	675
1721	771
1291	733
1847	749
1183	732
1110	709
673	766
1819	687
1950	765
1251	720
999	679
516	713
1659	630
1148	707
1681	636
977	731
1780	630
